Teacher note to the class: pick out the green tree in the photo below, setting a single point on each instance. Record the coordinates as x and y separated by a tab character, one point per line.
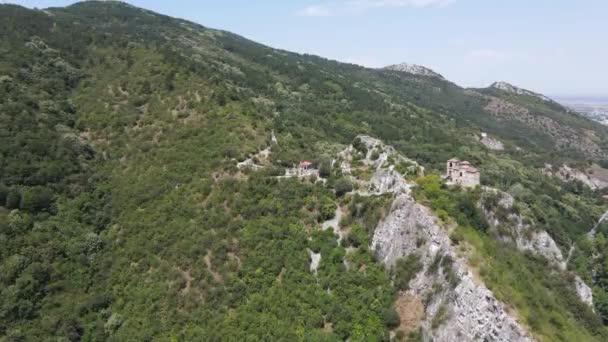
325	168
3	194
405	270
343	186
13	199
36	199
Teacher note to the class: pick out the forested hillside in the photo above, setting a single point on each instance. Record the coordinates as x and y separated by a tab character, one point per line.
124	214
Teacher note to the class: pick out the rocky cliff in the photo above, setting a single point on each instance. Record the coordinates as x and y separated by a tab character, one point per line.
499	211
498	207
455	304
471	312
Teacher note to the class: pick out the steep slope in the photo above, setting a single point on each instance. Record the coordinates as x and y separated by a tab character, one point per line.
125	214
570	132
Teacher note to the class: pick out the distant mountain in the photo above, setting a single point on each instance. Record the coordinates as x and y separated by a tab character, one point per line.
413	69
516	90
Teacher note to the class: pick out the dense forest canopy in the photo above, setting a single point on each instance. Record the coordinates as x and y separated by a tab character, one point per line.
123	215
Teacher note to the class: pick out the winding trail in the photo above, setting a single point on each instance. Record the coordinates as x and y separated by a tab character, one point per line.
602	219
590	235
334	223
315	259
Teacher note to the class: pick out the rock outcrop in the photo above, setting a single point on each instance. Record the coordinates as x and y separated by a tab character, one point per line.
585	293
457	306
522	234
413	69
385	178
526	238
566	174
504	86
470	311
491	143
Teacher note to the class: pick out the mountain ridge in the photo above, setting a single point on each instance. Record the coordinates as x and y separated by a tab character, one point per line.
148	191
413	69
516	90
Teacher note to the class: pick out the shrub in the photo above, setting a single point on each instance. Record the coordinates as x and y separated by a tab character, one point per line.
343	186
391	318
328	209
325	169
3	193
360	146
13	199
353	239
36	199
405	270
440	316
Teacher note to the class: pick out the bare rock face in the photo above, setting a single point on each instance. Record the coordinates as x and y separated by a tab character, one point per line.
457	306
453	303
413	69
567	173
543	244
462	307
398	233
475	315
584	291
384	179
525	237
504	86
491	143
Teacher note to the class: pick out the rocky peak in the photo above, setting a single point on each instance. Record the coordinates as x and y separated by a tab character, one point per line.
413	69
504	86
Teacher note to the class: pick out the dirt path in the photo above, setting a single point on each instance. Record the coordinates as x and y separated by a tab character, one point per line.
334	223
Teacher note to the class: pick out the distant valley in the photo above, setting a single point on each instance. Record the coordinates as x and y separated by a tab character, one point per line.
594	107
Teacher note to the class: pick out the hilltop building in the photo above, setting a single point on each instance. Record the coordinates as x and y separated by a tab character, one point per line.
305	166
462	173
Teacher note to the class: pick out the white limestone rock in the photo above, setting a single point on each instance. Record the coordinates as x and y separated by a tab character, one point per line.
504	86
566	174
538	242
583	290
491	143
474	314
413	69
384	179
525	237
315	259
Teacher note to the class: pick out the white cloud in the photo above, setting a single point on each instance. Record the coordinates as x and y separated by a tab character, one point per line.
315	11
358	6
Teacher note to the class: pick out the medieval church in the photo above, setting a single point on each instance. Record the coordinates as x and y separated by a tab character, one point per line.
462	173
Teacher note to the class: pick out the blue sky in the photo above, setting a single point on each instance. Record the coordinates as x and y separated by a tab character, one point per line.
556	47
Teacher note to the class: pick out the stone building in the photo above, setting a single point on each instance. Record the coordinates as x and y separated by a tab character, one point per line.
462	173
